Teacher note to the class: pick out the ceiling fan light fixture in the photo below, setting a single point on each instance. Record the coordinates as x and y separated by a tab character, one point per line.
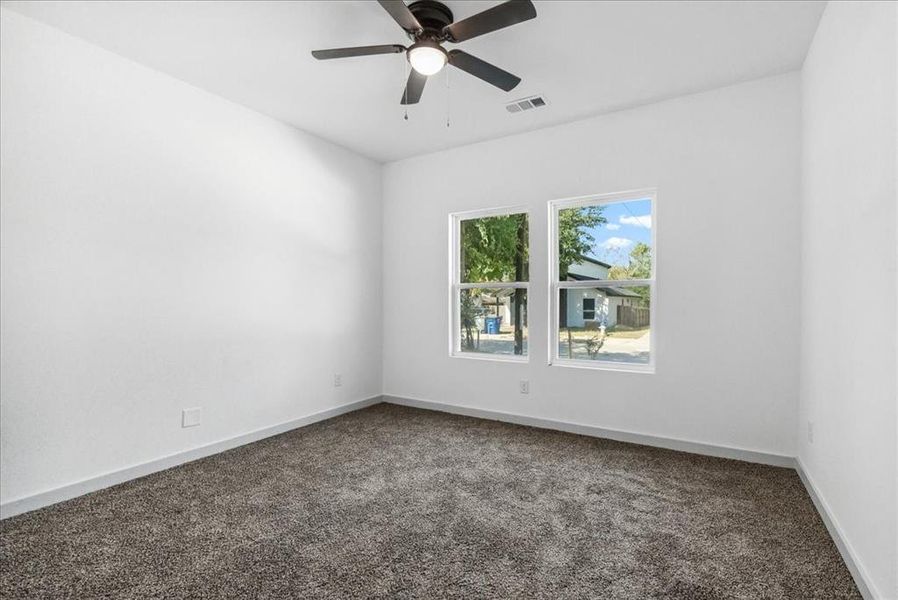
430	22
427	58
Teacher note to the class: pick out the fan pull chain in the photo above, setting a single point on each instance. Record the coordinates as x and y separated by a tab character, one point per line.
448	98
405	73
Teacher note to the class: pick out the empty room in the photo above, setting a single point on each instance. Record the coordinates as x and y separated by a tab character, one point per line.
419	299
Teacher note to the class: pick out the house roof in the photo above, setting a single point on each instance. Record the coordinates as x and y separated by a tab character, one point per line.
579	277
611	291
622	292
595	261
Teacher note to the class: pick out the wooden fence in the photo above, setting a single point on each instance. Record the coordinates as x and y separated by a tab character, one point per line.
632	316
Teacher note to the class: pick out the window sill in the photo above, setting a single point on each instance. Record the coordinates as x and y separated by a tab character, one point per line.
601	365
506	358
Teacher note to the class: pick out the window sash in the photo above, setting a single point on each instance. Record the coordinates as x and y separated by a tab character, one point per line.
456	285
601	283
494	285
555	333
554	309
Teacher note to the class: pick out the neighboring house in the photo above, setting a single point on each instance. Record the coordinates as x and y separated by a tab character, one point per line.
593	307
584	307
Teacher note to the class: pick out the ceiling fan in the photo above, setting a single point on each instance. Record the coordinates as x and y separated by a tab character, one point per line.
428	23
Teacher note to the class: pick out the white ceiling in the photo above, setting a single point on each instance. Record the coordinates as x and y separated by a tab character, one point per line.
586	58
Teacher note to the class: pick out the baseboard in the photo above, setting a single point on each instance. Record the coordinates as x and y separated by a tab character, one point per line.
753	456
861	578
92	484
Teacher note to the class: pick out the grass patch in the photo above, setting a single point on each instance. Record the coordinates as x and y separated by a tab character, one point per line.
628	333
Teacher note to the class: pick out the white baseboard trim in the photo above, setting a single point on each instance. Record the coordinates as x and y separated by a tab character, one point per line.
753	456
105	480
862	579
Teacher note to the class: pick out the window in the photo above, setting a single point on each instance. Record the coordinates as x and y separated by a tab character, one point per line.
602	290
490	274
589	309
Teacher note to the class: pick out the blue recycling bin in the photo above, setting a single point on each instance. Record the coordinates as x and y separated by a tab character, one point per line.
491	325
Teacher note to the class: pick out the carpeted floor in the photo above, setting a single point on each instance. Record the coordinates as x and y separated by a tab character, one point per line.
393	502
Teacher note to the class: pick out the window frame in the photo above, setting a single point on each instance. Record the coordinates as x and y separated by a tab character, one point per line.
456	285
554	285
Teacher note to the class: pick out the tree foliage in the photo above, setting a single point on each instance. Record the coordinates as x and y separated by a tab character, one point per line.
491	246
639	267
574	237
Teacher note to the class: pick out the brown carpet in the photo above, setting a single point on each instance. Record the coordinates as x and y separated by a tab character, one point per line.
393	502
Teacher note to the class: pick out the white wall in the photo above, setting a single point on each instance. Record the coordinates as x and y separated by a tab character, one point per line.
164	248
849	303
725	164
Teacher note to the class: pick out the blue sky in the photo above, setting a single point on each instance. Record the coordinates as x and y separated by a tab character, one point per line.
628	223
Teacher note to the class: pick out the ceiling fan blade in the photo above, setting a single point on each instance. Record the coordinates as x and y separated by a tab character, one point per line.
413	88
498	17
484	70
401	14
357	51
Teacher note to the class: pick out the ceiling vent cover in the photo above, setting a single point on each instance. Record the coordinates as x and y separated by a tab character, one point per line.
525	104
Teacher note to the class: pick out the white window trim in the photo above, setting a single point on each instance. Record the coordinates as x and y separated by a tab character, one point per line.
455	284
554	284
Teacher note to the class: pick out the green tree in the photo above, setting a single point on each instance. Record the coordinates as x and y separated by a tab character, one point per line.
641	261
639	267
490	247
574	237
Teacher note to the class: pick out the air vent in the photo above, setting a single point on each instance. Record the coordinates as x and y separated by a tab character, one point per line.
526	104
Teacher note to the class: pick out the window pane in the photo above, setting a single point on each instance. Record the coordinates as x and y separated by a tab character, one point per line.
493	321
605	241
616	330
589	308
495	249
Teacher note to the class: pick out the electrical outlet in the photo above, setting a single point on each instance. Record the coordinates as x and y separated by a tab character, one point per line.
338	379
190	417
524	386
810	432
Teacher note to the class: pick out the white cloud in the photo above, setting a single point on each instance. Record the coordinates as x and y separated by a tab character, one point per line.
641	221
616	243
612	226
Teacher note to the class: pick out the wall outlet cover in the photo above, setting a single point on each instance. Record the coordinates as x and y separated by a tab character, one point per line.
524	386
190	417
338	379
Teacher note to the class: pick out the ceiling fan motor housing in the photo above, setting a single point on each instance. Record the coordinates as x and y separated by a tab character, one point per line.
433	17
